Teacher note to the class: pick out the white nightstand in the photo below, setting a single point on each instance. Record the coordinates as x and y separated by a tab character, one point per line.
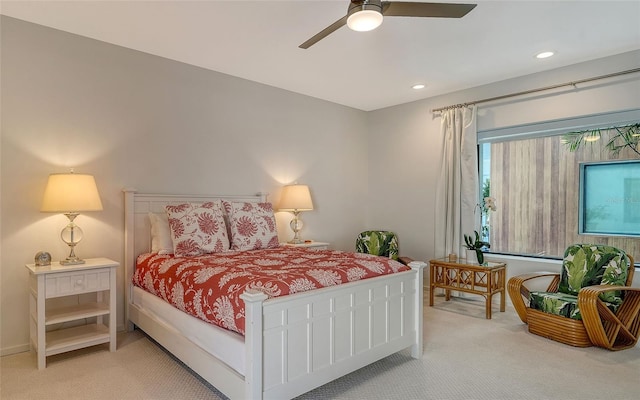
97	275
310	245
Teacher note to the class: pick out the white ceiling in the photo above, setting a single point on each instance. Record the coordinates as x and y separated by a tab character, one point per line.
258	40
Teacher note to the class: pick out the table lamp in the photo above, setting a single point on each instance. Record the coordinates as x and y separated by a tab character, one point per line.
71	194
296	198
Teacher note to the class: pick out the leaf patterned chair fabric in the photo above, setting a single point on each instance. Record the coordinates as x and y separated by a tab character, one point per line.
380	243
588	303
584	265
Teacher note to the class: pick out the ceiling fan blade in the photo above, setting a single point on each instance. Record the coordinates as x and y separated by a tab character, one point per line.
437	10
324	33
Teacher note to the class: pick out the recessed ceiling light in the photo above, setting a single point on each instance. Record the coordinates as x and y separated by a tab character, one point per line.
418	86
592	138
545	54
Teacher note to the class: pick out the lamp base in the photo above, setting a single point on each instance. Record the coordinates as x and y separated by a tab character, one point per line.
71	261
296	225
71	235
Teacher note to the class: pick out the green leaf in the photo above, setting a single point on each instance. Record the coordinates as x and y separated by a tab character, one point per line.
621	137
480	256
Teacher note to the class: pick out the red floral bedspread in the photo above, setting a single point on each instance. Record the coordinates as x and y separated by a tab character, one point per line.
208	286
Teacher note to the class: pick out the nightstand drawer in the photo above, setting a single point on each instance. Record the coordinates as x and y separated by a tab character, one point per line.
68	283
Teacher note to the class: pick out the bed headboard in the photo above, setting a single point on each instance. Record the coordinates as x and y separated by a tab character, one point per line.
137	228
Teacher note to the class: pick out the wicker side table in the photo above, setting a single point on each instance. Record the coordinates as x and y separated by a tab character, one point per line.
485	279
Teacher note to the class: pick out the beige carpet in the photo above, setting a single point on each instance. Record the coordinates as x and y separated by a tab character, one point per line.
465	357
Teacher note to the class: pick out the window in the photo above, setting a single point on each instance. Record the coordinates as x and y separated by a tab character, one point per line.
534	178
610	198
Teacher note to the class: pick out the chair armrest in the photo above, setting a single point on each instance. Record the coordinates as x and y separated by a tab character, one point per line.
590	295
595	290
613	331
518	292
405	260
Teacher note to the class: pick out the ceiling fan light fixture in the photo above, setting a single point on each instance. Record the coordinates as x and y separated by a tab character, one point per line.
364	17
365	20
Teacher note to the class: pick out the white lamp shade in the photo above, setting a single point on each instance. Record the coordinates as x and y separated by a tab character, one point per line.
364	20
71	193
296	198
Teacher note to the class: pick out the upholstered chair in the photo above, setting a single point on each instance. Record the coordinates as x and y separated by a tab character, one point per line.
380	243
590	302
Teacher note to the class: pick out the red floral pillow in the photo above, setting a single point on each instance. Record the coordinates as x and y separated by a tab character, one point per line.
252	225
197	228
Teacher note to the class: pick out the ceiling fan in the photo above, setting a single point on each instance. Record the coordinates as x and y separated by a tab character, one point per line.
365	15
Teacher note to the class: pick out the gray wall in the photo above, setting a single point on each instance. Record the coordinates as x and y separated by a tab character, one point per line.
403	172
137	120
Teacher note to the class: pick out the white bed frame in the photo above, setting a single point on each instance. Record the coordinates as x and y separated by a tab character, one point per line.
294	343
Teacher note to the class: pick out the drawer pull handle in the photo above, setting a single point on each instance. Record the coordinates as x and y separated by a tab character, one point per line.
79	282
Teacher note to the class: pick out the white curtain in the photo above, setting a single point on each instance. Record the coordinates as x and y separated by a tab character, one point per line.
457	190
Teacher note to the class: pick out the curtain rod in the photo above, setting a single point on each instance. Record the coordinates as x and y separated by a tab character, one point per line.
574	83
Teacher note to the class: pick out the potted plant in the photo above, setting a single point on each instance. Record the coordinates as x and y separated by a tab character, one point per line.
475	245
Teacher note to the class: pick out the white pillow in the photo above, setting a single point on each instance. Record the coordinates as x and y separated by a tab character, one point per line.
160	234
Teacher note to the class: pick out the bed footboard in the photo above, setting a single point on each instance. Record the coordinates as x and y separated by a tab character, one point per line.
312	338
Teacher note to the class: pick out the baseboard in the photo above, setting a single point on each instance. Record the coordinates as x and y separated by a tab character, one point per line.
7	351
